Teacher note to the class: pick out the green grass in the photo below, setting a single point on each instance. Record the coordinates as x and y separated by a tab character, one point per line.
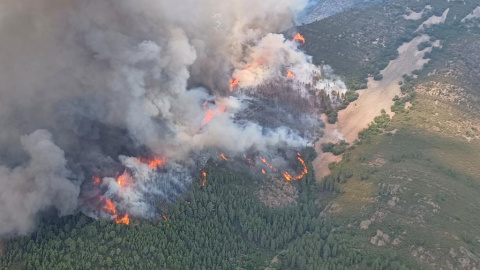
438	181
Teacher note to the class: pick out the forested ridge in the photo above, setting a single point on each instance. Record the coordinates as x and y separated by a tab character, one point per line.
221	225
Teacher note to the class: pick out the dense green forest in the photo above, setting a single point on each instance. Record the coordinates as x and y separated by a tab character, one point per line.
221	225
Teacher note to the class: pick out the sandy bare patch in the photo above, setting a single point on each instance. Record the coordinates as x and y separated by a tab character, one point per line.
433	20
412	15
415	16
379	95
475	14
274	260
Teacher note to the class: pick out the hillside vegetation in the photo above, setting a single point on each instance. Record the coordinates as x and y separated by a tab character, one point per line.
404	196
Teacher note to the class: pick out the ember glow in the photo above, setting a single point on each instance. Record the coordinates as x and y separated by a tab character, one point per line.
234	83
290	74
250	161
152	163
264	161
204	178
125	219
289	177
111	209
210	114
299	38
97	180
124	179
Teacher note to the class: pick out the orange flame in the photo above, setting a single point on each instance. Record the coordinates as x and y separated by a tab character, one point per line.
164	217
123	220
254	65
289	177
111	209
249	160
263	171
223	157
234	83
210	114
97	180
124	179
290	74
264	161
204	178
152	163
299	38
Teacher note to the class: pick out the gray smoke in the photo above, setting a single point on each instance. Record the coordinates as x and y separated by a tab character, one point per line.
42	182
111	79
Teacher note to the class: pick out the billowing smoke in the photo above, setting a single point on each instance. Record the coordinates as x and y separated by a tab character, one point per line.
137	95
40	183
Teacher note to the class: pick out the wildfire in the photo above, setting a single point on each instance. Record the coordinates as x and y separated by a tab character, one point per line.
264	161
111	209
124	179
290	74
210	114
97	180
289	177
234	83
164	217
152	163
204	178
263	171
223	157
299	38
123	220
250	161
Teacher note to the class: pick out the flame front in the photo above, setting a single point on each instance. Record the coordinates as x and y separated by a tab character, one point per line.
264	161
299	38
153	163
234	83
111	209
204	178
290	74
210	114
123	220
289	177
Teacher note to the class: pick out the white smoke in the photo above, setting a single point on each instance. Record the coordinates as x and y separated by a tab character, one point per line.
104	76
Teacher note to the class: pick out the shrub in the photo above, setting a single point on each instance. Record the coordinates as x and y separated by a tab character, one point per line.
332	116
378	77
422	46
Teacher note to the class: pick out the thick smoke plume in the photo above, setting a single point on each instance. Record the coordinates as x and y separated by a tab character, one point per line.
125	100
40	183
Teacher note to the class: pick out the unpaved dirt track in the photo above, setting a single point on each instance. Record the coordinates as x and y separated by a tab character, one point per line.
371	101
